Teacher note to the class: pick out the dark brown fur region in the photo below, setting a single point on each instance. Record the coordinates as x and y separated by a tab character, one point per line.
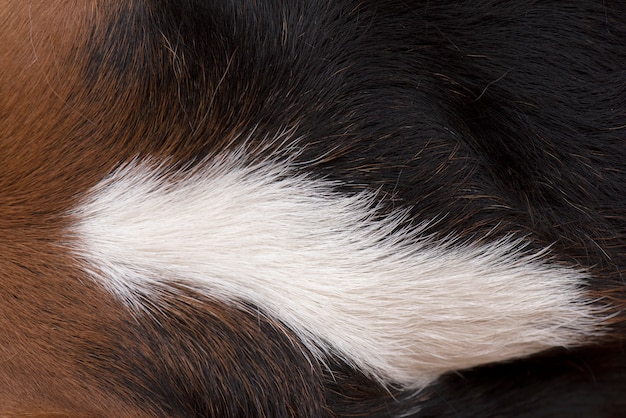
508	117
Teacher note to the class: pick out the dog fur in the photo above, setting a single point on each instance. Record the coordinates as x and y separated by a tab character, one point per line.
312	208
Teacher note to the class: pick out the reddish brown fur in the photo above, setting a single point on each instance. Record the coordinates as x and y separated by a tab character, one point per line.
32	313
43	322
61	336
64	341
68	348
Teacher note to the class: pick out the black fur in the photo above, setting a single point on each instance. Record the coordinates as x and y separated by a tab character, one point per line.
494	117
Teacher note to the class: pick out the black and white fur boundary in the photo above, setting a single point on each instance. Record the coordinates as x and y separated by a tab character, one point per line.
313	208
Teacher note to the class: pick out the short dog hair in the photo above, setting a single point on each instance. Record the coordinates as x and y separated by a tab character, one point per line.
314	208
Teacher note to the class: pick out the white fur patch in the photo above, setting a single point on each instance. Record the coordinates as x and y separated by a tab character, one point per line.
398	305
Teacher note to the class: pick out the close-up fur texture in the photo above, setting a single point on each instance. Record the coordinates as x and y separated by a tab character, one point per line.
312	208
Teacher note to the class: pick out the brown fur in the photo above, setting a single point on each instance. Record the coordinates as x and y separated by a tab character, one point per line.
65	343
70	114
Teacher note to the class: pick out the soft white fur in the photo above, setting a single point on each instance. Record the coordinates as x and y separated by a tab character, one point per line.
400	306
